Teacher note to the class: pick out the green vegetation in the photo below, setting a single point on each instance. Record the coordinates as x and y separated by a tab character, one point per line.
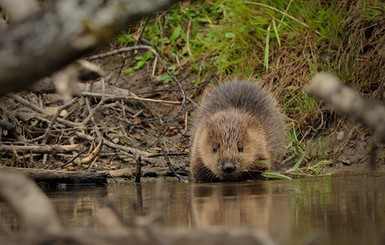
279	43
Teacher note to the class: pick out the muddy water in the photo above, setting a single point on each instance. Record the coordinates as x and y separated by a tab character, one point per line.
330	210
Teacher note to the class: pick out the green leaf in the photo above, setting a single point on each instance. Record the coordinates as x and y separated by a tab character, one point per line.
230	35
274	175
267	47
276	33
13	161
176	33
164	40
165	78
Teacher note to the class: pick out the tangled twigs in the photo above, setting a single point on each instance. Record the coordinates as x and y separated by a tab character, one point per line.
143	154
41	122
139	47
60	109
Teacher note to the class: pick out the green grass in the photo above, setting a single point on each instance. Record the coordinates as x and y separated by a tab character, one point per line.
281	42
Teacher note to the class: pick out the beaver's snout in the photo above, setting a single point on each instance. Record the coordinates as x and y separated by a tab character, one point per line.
228	167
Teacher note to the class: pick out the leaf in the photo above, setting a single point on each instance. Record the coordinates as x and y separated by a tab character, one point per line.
230	35
164	40
267	47
165	78
274	175
13	161
148	55
34	123
176	33
276	33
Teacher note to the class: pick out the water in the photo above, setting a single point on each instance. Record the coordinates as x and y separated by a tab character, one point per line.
332	210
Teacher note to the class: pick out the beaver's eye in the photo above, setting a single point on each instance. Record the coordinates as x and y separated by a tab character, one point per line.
214	148
240	147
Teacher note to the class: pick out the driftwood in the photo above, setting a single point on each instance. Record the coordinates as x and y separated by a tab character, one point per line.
62	33
42	226
54	177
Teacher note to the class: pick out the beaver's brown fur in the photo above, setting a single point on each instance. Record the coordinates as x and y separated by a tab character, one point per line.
238	133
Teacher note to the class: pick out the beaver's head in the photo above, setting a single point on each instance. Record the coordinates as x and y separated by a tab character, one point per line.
233	145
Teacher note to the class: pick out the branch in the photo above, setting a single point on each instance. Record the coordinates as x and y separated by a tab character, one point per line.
65	31
30	204
42	149
19	9
326	86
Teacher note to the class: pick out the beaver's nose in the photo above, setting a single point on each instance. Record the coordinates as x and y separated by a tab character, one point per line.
228	168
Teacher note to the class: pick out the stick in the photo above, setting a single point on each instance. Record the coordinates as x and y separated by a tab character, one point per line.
168	161
42	149
138	162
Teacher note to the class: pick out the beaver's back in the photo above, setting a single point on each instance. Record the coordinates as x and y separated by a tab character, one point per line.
250	98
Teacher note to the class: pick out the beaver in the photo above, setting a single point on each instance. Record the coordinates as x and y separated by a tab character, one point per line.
238	133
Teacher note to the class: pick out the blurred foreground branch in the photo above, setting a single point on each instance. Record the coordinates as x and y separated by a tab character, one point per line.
55	36
327	87
35	211
371	113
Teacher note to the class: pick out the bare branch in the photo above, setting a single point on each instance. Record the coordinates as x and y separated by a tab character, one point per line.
41	149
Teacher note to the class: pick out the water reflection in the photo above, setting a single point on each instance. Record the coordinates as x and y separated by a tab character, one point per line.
339	210
240	205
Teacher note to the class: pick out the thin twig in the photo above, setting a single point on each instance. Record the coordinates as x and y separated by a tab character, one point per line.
373	155
169	164
53	120
41	149
138	174
170	154
73	158
110	97
26	103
